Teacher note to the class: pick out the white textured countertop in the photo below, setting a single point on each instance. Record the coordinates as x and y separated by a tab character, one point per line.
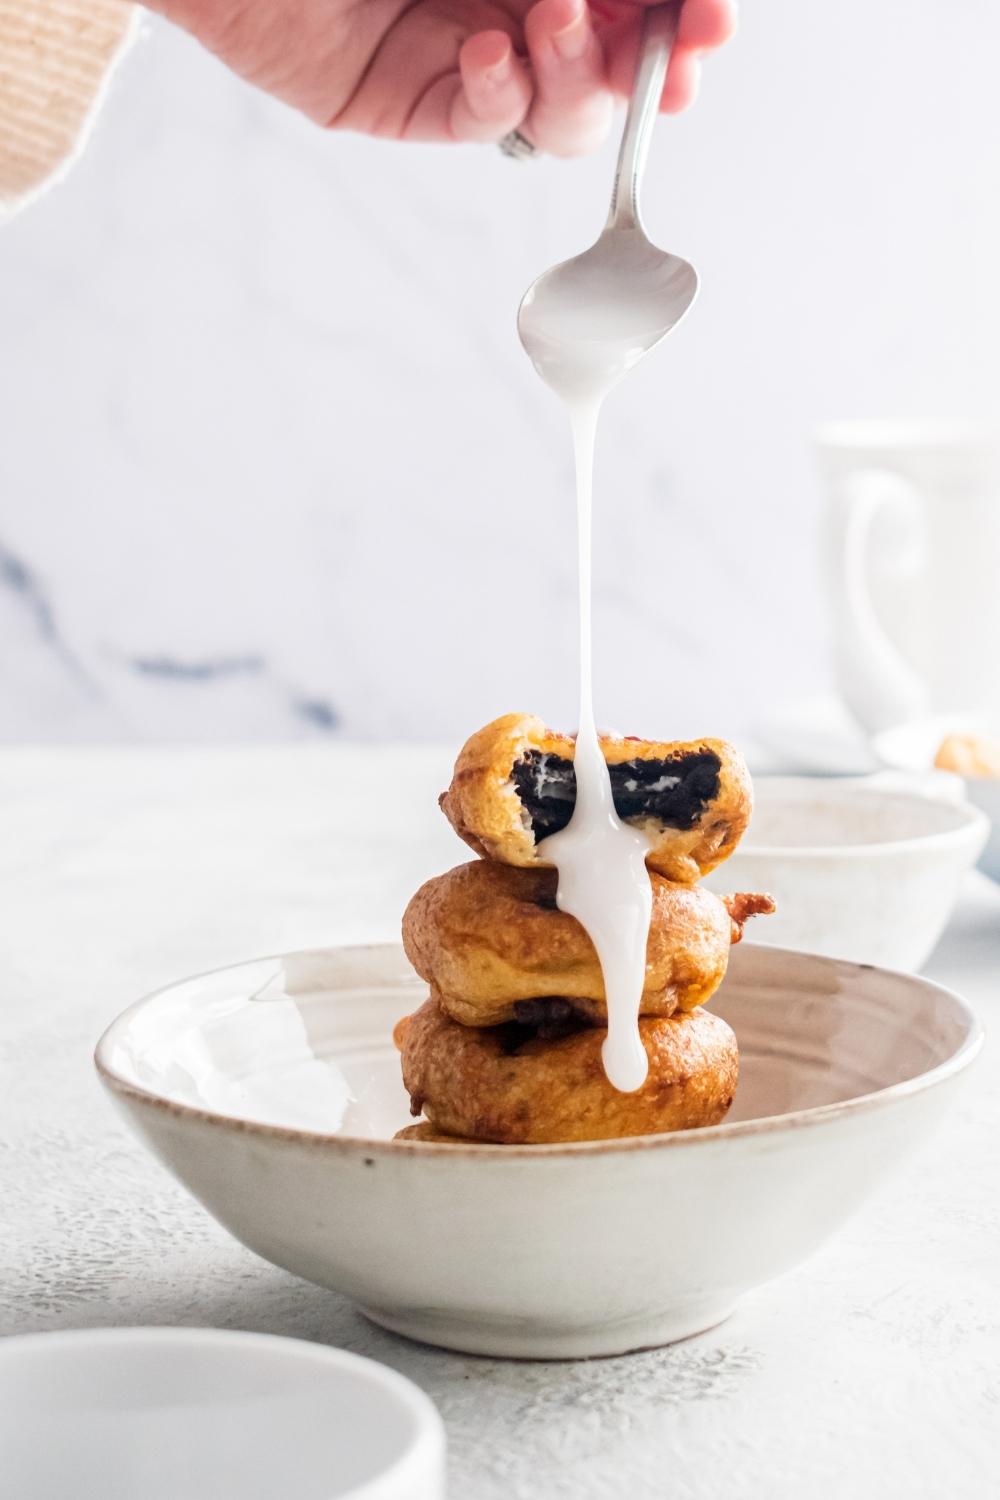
872	1371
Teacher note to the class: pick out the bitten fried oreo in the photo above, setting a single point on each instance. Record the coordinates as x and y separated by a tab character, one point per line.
514	785
490	939
506	1085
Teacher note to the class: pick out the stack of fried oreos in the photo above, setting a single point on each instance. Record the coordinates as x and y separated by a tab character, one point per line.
507	1049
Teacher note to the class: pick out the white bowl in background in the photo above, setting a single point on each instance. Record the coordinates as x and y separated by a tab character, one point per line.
912	747
272	1090
200	1414
858	870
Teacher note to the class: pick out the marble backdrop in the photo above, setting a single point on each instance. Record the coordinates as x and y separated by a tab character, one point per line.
272	464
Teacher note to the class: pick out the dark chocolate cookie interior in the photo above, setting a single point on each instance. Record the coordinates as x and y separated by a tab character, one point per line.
545	1020
675	792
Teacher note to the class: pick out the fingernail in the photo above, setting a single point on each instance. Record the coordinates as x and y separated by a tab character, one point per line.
499	72
572	41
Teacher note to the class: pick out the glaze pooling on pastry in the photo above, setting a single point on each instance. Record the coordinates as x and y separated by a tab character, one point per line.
489	937
673	792
693	827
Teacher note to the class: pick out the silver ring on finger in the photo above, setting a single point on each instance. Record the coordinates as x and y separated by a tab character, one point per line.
518	147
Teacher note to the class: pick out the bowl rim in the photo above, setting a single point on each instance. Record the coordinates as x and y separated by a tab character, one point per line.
973	823
425	1441
372	1146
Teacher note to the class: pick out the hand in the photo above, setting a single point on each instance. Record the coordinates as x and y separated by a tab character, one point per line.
452	70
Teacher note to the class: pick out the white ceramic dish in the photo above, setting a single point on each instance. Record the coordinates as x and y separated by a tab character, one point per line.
912	747
272	1091
198	1414
858	871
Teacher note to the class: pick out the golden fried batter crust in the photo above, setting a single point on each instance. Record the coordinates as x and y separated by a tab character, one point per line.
973	755
483	806
487	936
743	905
423	1130
486	1085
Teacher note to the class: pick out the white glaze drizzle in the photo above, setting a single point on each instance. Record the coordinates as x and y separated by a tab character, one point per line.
603	881
601	861
586	343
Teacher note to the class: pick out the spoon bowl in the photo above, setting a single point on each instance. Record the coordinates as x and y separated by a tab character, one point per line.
588	321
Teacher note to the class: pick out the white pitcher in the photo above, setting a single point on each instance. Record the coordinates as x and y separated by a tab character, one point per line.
913	558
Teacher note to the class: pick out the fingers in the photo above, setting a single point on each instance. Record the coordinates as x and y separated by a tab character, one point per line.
495	89
572	109
565	104
706	23
682	82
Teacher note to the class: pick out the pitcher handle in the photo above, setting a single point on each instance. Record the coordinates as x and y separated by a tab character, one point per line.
877	682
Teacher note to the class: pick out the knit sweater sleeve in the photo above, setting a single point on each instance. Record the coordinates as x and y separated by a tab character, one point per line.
55	59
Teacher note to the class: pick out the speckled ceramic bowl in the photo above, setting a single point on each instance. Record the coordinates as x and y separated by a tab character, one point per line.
272	1090
859	870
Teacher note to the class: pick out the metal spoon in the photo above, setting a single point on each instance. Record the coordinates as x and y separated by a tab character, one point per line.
589	320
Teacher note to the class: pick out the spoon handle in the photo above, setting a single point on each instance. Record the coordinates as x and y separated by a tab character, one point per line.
659	29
